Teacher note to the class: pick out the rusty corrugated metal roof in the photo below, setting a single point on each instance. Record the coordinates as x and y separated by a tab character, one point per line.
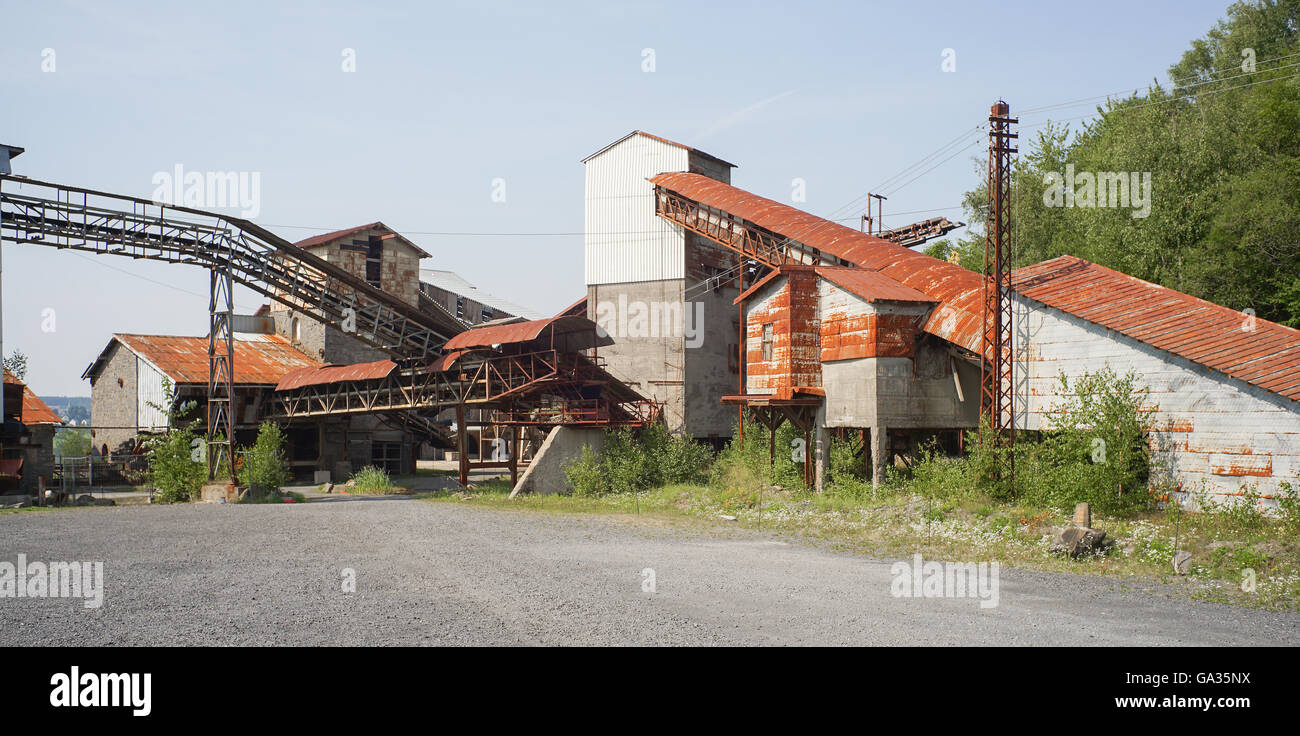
322	374
576	309
35	411
259	359
1253	350
517	332
958	292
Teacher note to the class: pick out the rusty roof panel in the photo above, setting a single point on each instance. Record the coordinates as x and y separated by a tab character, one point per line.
317	375
958	291
259	359
35	411
1267	355
871	285
519	332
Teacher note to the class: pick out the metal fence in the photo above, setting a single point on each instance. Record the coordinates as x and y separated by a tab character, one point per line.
96	471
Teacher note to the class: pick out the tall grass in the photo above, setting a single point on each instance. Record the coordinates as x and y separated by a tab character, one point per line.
371	479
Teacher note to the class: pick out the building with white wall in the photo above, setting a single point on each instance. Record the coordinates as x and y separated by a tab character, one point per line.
663	294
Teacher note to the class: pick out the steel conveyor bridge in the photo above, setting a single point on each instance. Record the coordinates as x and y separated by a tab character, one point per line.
532	389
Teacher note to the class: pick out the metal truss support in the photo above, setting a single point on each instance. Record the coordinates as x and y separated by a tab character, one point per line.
221	375
997	356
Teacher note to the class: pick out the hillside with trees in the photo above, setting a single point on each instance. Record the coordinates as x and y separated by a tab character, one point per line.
1222	146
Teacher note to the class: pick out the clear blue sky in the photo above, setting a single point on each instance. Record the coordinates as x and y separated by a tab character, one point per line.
447	97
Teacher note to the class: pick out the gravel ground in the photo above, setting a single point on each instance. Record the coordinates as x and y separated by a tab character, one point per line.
441	573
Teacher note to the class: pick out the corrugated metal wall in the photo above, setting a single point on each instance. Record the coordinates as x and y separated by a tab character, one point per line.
149	390
1214	432
623	238
789	304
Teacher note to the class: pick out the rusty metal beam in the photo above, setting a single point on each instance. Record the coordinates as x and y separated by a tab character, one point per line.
919	232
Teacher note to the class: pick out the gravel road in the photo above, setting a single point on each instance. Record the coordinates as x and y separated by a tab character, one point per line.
442	573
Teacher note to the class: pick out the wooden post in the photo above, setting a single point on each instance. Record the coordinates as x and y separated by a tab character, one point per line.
514	457
462	445
866	453
771	439
807	458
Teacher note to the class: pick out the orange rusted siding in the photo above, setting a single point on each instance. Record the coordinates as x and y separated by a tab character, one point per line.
789	304
1256	466
857	323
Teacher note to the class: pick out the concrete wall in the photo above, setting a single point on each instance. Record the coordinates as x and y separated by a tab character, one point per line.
114	400
1214	432
712	368
545	474
646	354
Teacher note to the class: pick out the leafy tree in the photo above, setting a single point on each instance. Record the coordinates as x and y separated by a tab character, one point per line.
16	363
77	413
72	443
1223	149
176	467
264	466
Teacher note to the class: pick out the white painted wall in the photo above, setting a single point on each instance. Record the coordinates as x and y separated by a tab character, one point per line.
624	240
1216	430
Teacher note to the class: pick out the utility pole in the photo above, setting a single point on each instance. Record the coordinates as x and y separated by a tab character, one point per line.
880	211
996	367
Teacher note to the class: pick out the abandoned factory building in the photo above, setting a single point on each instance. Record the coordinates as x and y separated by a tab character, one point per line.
129	376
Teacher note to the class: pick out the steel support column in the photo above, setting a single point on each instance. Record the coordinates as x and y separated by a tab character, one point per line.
221	374
996	366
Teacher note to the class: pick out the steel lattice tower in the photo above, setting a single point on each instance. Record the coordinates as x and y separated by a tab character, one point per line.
997	388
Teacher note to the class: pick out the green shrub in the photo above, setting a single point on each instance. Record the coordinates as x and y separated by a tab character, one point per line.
1097	449
936	475
626	464
1288	507
177	466
264	466
174	472
846	458
633	461
673	459
585	475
